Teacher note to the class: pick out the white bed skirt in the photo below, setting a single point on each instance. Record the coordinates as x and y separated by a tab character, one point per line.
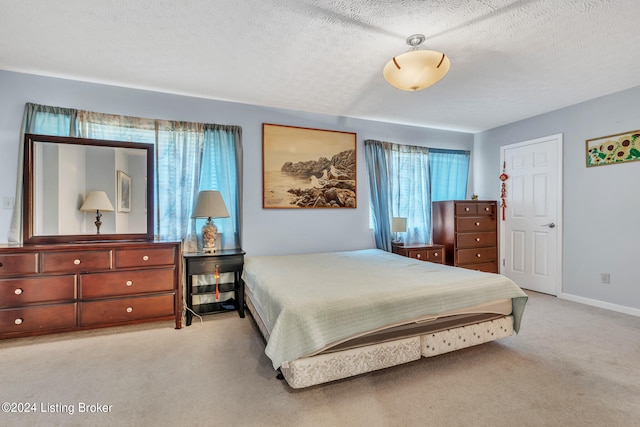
326	367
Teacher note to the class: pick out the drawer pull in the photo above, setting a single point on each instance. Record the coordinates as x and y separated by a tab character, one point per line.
129	309
436	254
477	239
76	261
487	209
418	256
478	255
17	291
18	321
129	282
466	209
145	258
477	224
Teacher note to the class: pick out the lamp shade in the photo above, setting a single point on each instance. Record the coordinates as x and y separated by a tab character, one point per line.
210	205
97	201
416	69
398	224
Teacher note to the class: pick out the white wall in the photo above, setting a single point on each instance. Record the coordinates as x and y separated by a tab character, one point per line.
601	204
266	231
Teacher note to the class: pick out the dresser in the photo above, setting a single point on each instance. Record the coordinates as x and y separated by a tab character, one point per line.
52	288
468	231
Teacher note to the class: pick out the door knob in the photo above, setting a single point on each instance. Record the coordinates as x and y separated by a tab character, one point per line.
550	225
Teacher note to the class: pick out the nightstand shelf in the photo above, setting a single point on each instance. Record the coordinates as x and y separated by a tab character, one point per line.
224	261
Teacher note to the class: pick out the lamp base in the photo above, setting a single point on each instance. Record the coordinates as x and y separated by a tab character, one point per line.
209	234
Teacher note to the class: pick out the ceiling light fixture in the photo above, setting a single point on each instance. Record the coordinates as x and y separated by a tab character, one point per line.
416	69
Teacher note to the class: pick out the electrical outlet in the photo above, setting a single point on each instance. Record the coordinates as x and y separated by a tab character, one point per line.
7	202
605	278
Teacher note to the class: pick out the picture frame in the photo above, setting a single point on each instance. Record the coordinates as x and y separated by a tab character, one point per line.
305	168
124	192
613	149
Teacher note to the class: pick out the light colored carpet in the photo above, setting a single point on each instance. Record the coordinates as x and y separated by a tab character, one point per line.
571	365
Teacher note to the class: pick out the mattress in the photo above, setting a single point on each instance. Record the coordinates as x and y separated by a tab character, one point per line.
318	303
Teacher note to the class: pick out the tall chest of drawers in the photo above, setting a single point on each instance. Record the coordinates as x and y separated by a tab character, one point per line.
60	288
468	231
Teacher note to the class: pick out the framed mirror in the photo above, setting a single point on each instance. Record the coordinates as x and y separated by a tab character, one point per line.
78	189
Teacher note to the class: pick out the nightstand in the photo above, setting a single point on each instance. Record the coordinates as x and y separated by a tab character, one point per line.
423	252
223	261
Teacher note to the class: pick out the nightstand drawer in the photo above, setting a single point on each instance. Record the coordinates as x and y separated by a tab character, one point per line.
126	283
16	292
40	318
207	265
126	309
144	257
435	255
474	240
477	255
18	264
63	262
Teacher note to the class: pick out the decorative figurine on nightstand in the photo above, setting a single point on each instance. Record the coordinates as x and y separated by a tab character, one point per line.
210	205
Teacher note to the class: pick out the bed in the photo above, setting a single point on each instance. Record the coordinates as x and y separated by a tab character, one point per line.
328	316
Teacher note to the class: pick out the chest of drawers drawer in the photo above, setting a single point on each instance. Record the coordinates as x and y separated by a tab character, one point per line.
100	285
476	255
473	240
144	257
126	309
30	290
11	264
464	224
37	318
65	262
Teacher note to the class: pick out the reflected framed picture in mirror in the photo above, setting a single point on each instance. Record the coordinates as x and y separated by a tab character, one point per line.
124	192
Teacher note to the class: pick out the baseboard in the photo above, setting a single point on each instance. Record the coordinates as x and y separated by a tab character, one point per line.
601	304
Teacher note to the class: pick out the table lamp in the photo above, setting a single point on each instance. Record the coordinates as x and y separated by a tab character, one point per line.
97	201
398	225
210	205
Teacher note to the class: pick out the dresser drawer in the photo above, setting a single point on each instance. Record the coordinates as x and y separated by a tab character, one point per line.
101	285
208	265
144	257
18	264
466	208
17	292
473	240
475	224
126	309
40	318
63	262
486	208
435	255
476	255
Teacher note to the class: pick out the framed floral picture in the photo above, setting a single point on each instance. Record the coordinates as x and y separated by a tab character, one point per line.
612	149
308	168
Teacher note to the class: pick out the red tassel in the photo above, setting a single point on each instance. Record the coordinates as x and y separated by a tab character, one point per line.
217	277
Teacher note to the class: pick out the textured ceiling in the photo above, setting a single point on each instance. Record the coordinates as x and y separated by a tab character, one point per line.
509	59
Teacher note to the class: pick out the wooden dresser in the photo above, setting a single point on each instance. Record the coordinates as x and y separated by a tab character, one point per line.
468	231
64	287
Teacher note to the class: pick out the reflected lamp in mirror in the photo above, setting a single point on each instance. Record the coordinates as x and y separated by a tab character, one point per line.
210	205
97	201
398	225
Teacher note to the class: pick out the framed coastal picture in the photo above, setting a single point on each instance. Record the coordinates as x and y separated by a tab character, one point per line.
307	168
124	192
613	149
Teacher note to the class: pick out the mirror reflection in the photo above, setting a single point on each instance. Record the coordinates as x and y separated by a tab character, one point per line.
82	188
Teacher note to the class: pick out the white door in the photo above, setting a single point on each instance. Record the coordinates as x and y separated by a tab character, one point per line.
531	232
